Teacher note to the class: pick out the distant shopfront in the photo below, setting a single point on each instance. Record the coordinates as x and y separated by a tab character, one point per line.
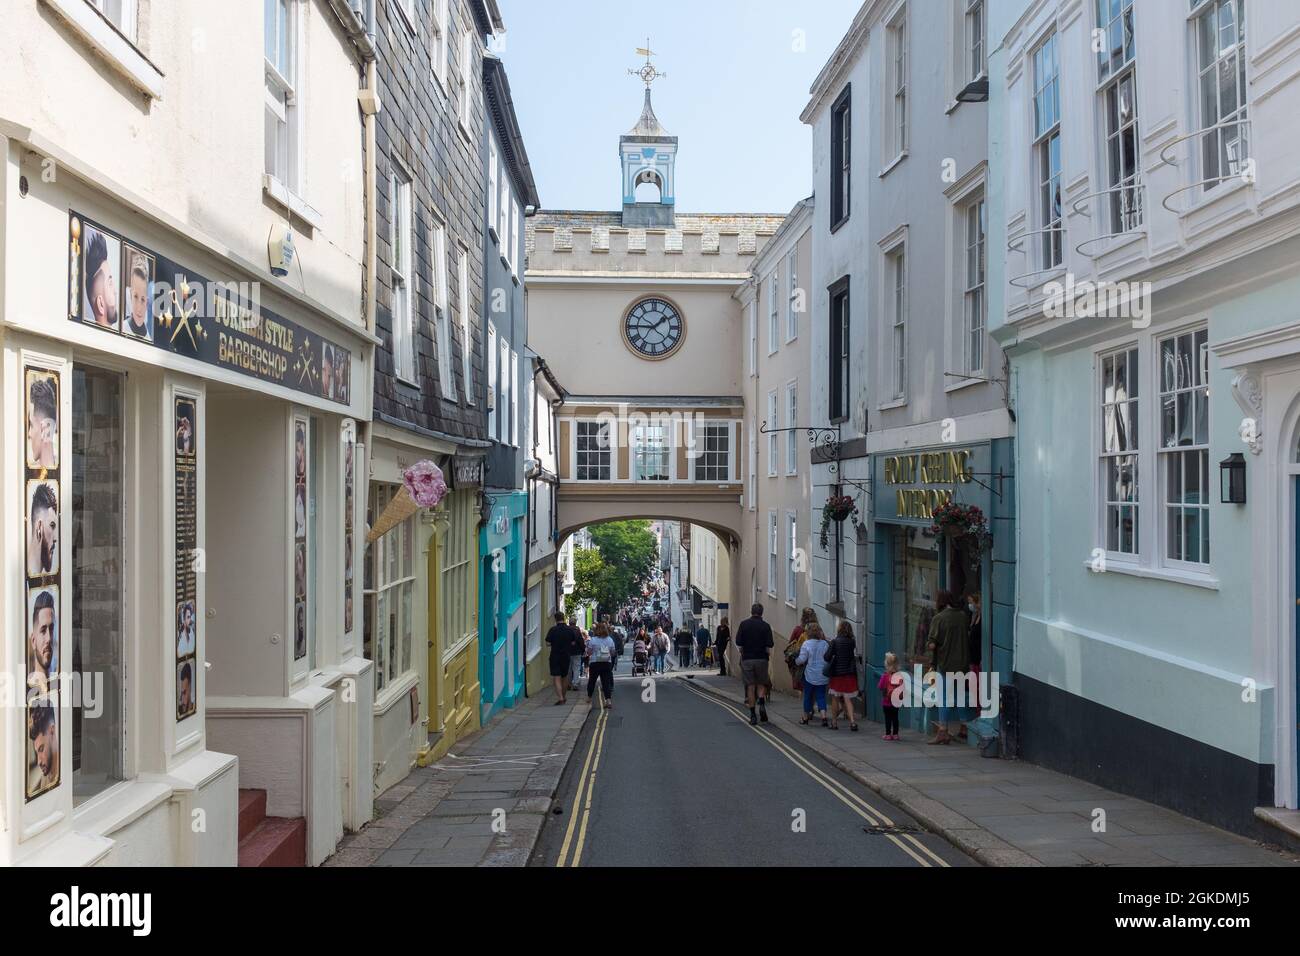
909	563
502	604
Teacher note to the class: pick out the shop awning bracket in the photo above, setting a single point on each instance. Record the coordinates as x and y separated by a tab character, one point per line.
825	438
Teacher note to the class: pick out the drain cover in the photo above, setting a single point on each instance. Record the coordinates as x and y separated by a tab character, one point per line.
895	829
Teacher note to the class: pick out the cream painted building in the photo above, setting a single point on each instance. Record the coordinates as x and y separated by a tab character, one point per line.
184	456
651	428
773	562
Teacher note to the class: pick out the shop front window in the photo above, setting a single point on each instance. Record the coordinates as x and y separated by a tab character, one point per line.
389	593
98	559
916	579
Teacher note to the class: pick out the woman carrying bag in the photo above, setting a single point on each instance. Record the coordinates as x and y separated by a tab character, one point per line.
842	666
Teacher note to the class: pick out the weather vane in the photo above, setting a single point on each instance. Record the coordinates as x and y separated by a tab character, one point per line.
647	73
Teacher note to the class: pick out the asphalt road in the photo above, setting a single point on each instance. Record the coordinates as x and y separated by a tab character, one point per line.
686	781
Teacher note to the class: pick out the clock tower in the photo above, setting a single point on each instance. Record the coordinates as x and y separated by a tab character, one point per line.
648	156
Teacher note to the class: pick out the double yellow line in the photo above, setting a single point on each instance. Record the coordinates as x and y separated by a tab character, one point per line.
586	785
906	842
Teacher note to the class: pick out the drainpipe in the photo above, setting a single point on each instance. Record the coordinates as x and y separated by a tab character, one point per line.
368	99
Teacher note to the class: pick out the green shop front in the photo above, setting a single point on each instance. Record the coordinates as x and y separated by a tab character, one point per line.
909	562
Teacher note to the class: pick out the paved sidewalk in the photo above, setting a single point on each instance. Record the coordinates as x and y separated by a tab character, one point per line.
443	815
1006	812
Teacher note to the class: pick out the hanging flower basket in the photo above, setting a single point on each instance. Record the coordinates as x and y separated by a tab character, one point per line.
959	522
838	508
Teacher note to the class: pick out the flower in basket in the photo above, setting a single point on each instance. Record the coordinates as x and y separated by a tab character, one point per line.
425	483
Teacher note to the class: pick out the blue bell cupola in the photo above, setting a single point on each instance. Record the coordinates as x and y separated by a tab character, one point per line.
649	158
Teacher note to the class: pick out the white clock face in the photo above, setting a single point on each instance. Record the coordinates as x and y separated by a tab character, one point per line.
654	328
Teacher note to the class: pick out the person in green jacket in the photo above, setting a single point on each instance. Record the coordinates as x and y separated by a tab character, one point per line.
949	644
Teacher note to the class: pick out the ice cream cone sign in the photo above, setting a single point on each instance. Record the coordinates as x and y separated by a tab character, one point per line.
423	486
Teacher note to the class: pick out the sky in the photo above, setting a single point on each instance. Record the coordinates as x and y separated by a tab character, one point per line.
737	78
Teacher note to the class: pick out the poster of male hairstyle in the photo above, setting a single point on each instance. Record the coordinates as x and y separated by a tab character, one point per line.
137	311
41	610
42	397
101	280
42	639
42	528
300	556
42	746
185	519
186	692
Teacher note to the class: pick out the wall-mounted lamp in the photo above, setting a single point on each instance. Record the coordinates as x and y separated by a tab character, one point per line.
1232	479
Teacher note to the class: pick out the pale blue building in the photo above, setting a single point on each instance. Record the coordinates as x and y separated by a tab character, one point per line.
1152	148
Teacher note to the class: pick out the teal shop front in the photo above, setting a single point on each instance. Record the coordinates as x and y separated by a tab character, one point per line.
907	563
501	603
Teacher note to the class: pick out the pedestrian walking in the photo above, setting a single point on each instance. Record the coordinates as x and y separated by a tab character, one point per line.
812	658
600	649
890	685
754	638
618	647
974	654
720	641
809	616
660	645
842	665
701	644
683	641
560	638
575	655
949	638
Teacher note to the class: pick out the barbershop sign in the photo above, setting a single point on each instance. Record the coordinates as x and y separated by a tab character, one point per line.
128	290
911	485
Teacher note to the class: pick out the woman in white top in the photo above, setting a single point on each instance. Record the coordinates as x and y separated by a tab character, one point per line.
600	664
812	654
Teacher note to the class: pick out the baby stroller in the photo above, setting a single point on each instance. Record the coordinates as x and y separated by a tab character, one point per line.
640	660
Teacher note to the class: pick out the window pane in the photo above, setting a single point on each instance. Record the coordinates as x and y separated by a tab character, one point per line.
97	516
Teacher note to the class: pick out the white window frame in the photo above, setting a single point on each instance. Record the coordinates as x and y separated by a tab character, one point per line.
791	424
503	213
405	327
1168	456
974	304
772	551
466	331
896	299
598	458
505	386
792	544
493	400
896	82
773	422
493	189
442	312
752	322
773	312
516	235
127	20
701	464
1124	204
1045	104
282	104
388	672
440	40
1114	415
514	398
641	450
1227	140
975	41
753	468
792	285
